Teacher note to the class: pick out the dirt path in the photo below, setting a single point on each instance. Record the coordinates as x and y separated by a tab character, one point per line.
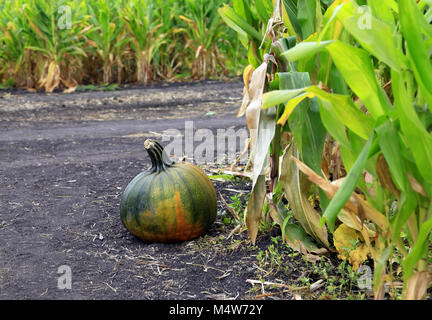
64	161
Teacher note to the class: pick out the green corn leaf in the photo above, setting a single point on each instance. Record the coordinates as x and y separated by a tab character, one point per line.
329	28
380	266
389	143
356	67
293	235
306	17
419	249
264	10
333	125
417	138
418	52
407	205
346	112
383	10
305	50
276	97
342	107
305	122
346	189
241	7
290	20
238	24
373	34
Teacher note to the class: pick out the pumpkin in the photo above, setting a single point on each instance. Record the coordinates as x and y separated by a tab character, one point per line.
171	202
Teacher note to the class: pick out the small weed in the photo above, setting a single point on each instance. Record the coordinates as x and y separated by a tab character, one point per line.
271	261
305	281
236	203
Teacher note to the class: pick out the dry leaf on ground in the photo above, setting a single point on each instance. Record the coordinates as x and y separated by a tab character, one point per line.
349	244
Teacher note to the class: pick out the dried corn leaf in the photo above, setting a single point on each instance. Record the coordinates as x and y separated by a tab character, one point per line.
255	207
71	86
247	76
385	177
354	222
416	286
253	109
51	80
275	20
296	186
266	130
416	186
355	204
261	125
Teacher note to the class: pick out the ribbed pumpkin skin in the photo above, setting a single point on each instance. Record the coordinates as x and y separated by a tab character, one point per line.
176	204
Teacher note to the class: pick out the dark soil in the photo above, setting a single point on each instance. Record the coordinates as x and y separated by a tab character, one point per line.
64	162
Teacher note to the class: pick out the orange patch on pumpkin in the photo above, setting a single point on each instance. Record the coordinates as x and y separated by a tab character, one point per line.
179	211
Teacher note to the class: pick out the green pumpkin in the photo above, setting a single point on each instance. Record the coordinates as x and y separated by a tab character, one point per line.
171	202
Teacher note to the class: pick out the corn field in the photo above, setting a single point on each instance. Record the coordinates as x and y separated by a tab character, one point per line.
60	44
337	99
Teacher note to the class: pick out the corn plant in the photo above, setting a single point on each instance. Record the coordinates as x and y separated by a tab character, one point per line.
112	40
168	60
56	45
13	54
106	33
266	35
146	31
203	34
362	80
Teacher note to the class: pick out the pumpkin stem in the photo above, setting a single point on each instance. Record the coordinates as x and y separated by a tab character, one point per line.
160	160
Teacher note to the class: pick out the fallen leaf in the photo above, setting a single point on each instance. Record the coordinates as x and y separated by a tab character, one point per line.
343	239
